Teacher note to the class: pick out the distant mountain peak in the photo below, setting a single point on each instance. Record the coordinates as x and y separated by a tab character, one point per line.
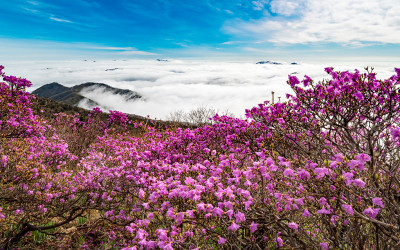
269	62
58	92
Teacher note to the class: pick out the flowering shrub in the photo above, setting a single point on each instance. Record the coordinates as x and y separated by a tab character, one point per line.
318	171
16	118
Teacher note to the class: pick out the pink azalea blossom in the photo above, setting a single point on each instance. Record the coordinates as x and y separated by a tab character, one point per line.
348	209
371	212
240	217
221	241
279	241
378	202
395	132
359	183
306	213
321	172
288	172
218	212
363	158
324	211
293	225
253	227
233	227
324	245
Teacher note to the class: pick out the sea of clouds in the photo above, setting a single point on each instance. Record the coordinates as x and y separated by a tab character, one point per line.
168	86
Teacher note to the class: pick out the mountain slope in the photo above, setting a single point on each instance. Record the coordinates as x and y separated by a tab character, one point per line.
127	94
73	96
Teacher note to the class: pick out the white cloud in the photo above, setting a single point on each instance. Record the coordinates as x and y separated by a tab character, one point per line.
60	20
286	7
111	48
33	3
32	11
259	5
315	21
179	85
122	50
13	49
137	52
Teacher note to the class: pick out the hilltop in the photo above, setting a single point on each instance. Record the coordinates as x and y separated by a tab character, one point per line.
73	95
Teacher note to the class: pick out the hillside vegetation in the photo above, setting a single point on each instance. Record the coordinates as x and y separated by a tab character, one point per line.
320	171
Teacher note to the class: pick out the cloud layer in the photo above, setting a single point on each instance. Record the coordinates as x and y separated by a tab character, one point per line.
355	23
167	86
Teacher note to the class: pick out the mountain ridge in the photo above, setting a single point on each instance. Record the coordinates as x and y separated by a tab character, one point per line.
72	95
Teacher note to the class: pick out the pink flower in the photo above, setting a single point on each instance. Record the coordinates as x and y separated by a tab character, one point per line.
129	229
303	174
321	172
323	211
247	204
141	234
240	217
233	227
170	213
348	209
229	213
4	160
189	213
348	178
299	201
18	211
322	201
334	218
200	207
279	241
273	168
339	158
42	209
306	213
293	225
395	132
179	217
218	212
260	154
288	172
359	96
353	163
293	80
359	183
363	158
162	234
324	245
378	202
371	212
141	194
306	80
253	227
397	70
221	241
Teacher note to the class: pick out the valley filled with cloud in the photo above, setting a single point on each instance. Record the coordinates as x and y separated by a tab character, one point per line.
167	86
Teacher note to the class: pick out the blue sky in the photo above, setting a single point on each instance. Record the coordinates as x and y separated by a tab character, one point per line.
206	28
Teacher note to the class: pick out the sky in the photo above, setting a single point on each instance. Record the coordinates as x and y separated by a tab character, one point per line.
227	29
